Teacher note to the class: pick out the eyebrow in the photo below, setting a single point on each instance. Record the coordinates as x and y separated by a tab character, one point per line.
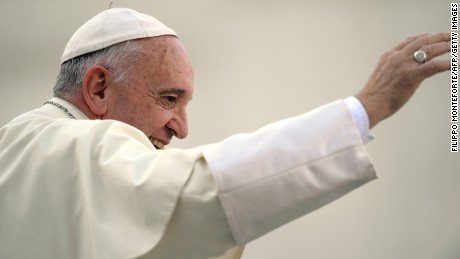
178	91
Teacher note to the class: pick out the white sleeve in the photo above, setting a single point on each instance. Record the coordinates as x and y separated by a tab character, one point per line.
360	117
198	228
288	169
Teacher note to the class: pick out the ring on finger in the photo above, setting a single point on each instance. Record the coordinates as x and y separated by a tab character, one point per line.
420	56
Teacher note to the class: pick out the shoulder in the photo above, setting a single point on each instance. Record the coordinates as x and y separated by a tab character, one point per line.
109	133
37	127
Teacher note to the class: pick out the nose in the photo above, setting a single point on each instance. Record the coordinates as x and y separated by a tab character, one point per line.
179	124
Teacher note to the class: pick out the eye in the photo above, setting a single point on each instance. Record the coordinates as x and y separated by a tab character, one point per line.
168	101
171	99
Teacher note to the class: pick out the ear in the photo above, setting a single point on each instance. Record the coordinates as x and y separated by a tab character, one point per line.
95	83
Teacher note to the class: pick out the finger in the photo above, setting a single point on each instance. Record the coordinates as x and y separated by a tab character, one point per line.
436	49
427	40
433	67
408	41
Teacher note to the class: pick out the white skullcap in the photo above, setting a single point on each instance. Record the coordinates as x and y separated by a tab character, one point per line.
110	27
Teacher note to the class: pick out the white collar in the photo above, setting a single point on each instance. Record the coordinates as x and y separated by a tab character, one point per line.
66	107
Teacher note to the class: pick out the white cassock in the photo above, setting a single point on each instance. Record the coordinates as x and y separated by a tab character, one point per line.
98	188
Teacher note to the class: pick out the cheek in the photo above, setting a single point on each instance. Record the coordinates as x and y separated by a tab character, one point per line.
161	117
130	113
156	119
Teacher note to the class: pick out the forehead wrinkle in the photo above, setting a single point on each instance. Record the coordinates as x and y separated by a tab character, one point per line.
165	65
165	58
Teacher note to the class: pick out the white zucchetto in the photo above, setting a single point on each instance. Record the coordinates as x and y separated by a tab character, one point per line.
113	26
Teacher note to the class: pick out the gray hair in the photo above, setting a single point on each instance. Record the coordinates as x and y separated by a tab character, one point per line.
119	59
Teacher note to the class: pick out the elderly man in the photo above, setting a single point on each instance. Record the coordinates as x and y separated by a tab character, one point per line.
81	176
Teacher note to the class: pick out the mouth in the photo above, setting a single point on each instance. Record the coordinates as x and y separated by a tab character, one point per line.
156	143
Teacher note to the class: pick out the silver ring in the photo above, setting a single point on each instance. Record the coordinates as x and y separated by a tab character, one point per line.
420	56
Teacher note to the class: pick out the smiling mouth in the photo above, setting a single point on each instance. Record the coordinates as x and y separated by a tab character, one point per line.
156	143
